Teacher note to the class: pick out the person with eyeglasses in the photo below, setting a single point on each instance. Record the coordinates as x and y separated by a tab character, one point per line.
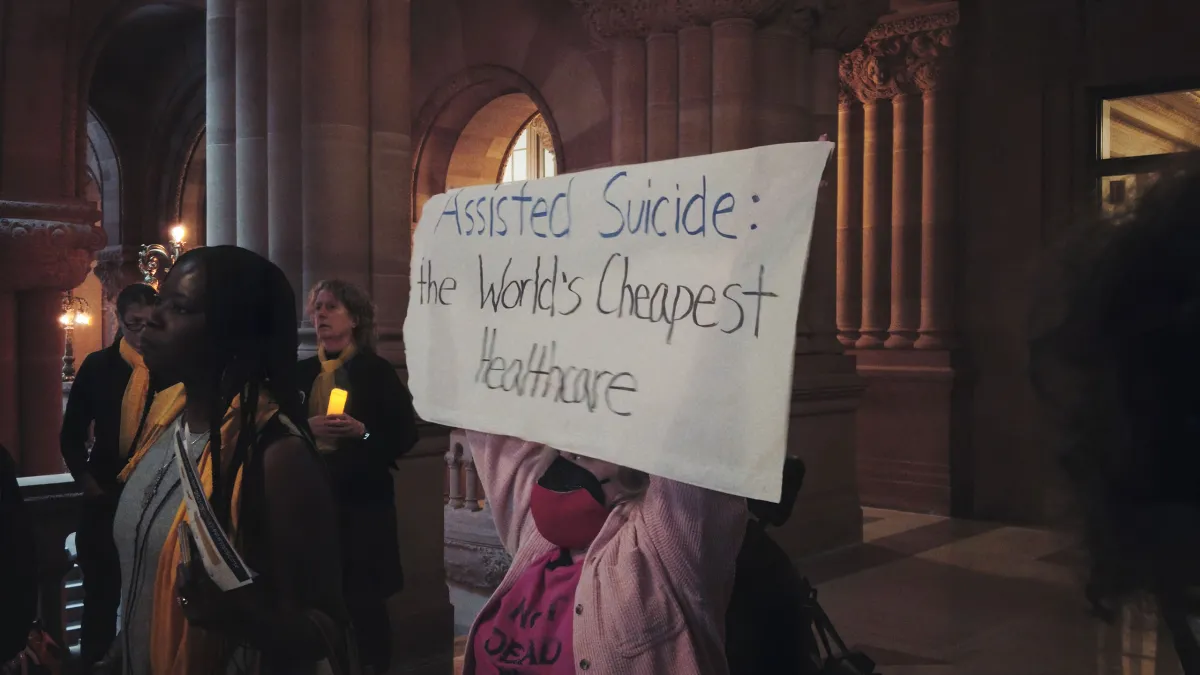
106	409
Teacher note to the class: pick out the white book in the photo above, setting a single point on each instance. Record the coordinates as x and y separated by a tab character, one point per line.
221	560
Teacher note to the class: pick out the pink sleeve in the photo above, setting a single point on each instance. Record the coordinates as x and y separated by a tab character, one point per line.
507	468
697	532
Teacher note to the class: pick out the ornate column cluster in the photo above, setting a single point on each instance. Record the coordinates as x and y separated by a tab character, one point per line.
311	163
700	76
893	278
309	141
693	77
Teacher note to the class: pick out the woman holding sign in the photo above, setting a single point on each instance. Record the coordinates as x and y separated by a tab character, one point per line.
363	419
225	482
612	569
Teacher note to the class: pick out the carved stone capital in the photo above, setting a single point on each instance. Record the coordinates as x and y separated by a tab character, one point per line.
47	245
607	19
116	268
930	62
846	98
876	70
903	56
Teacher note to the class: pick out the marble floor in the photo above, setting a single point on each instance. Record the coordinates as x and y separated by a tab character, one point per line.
926	595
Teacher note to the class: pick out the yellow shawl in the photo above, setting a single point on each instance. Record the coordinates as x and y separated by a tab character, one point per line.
318	400
175	648
133	403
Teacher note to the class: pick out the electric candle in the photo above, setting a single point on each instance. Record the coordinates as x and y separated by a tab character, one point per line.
337	402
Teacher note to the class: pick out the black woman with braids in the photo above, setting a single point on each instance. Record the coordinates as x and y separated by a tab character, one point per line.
1119	366
225	328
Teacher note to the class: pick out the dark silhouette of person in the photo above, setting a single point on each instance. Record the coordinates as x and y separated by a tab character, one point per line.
107	405
1114	357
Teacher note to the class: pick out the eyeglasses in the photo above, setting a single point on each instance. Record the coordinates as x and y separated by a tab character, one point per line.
134	326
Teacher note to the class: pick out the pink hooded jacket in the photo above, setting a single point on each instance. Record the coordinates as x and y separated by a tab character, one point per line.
656	581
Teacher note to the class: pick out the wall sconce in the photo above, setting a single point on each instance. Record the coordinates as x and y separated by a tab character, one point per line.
155	260
75	312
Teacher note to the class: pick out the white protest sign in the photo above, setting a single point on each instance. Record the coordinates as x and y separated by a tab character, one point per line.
644	315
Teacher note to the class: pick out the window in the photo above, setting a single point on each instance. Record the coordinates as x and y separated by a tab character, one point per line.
531	155
1140	137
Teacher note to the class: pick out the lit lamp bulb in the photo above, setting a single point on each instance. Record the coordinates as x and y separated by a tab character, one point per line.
83	319
65	319
177	234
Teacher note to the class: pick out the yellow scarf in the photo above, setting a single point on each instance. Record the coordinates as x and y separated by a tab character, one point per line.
133	403
175	648
318	400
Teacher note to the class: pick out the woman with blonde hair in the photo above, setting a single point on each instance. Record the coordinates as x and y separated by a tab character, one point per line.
613	569
360	445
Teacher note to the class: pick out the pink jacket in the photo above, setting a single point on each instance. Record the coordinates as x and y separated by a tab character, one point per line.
656	581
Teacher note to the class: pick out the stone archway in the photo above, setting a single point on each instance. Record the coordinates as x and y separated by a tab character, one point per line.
465	131
466	127
103	166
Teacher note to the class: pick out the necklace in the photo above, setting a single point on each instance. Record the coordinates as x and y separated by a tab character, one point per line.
156	482
141	537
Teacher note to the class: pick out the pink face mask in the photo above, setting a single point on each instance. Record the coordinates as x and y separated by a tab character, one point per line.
567	507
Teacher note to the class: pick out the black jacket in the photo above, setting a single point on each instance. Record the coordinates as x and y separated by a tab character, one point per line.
96	398
361	470
18	580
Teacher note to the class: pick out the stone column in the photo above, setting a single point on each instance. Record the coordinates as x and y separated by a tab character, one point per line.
662	97
40	344
723	106
46	248
629	101
391	170
871	72
221	123
906	242
695	91
250	116
875	265
733	85
9	415
777	105
849	237
334	148
819	306
937	191
285	242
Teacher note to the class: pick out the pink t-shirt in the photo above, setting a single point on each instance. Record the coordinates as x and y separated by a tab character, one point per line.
530	632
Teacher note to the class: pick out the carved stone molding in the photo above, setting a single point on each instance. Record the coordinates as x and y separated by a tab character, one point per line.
47	245
607	19
842	24
537	127
903	56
